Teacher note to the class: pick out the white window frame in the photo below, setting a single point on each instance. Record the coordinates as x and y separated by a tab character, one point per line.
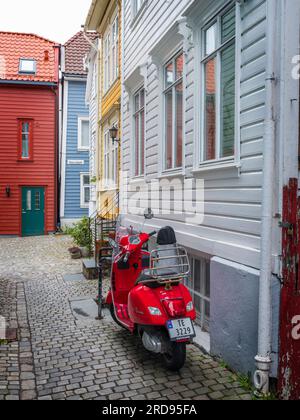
137	114
203	60
174	108
110	156
83	186
202	321
111	53
27	60
80	146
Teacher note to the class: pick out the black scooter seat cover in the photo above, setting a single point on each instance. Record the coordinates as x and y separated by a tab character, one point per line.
166	236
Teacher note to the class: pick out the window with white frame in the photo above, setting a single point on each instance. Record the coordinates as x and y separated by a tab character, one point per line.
173	97
111	54
84	190
139	133
137	5
107	60
115	49
110	161
83	133
199	286
106	157
27	66
218	65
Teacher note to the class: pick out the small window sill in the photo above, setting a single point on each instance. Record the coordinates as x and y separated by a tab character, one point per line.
172	173
25	160
135	19
137	180
83	149
218	166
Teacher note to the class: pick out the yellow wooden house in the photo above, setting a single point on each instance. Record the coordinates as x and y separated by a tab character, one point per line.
105	17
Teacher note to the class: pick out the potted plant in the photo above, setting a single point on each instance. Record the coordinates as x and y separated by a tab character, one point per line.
82	237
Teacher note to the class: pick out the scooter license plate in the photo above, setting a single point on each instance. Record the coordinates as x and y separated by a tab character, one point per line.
181	329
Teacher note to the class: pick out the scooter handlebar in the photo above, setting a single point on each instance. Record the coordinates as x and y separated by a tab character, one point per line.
152	233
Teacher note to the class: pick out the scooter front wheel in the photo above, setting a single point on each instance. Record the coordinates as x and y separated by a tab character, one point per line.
175	357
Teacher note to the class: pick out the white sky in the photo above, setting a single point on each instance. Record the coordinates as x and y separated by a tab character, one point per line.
57	20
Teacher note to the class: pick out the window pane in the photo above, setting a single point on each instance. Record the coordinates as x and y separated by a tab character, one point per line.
137	102
25	146
137	144
142	143
169	130
179	67
207	279
86	180
228	101
27	66
86	194
85	134
228	25
25	127
28	200
179	124
211	39
142	104
37	200
170	74
210	110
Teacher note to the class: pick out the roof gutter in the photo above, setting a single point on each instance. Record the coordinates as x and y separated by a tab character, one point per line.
24	82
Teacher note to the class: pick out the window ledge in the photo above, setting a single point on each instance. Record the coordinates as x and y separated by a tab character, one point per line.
172	174
137	180
135	20
218	166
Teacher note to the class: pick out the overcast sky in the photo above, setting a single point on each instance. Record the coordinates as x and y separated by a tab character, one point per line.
57	20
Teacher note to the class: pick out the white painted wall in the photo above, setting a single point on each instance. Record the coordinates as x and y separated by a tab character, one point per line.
233	195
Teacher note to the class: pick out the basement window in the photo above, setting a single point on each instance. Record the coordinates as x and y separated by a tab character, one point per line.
27	66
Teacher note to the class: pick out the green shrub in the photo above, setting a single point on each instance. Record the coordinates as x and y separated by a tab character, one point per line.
81	233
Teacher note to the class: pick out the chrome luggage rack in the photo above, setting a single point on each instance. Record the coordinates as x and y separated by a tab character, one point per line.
168	264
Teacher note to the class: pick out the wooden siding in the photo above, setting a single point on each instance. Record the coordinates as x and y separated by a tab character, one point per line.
232	200
40	105
76	108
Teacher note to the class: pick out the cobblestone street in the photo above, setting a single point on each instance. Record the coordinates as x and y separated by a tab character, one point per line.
59	357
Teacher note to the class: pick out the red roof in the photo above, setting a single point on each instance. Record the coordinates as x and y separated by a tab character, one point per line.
76	50
15	46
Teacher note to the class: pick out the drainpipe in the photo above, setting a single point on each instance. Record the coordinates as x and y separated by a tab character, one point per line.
263	358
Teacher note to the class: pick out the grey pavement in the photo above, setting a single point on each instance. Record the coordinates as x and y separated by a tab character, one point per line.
62	353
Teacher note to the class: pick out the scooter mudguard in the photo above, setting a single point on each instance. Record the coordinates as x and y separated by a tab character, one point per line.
109	298
171	304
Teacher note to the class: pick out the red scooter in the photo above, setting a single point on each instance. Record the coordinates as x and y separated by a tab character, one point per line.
147	296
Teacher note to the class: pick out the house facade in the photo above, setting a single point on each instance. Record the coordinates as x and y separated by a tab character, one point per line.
209	139
105	17
94	104
29	67
75	131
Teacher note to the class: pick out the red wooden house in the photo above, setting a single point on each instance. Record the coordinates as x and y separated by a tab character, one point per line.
29	76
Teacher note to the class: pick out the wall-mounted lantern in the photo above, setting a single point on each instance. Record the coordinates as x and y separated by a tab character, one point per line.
113	132
8	191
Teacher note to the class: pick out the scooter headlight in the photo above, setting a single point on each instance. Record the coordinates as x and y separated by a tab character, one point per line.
189	307
154	311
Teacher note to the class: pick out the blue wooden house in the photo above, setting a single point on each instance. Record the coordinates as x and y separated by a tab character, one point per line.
74	144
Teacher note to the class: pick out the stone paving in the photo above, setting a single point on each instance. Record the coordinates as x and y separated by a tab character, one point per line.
58	357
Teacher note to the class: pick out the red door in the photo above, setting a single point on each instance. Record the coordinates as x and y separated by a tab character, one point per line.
289	363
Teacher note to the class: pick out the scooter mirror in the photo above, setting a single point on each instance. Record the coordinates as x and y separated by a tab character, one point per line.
149	214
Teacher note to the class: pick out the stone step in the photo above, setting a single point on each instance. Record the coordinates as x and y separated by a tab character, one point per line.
89	269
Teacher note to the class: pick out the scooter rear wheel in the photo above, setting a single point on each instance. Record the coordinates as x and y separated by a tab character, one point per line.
113	315
175	357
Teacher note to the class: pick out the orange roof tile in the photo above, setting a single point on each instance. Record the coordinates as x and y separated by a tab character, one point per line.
14	46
